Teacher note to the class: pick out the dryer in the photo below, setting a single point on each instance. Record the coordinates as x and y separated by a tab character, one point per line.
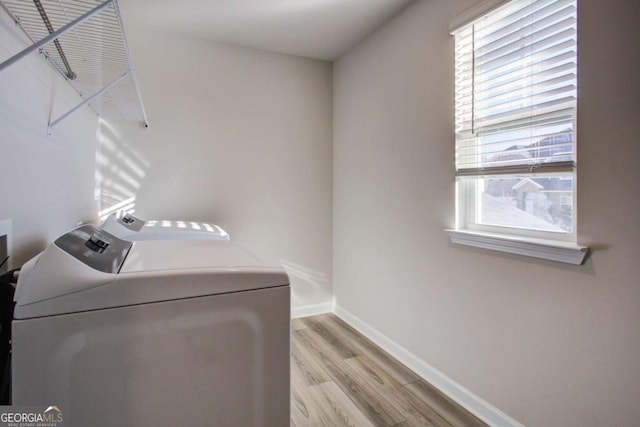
162	333
129	227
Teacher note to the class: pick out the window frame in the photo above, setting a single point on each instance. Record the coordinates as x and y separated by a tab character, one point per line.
552	245
467	209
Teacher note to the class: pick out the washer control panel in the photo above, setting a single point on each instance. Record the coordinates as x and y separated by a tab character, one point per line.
95	247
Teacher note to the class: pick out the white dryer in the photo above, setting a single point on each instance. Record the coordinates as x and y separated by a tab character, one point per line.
152	333
128	227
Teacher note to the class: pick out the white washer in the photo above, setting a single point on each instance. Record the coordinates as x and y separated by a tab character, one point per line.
152	333
128	227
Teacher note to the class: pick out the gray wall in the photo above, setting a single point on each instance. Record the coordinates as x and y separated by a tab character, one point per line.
46	182
238	137
547	343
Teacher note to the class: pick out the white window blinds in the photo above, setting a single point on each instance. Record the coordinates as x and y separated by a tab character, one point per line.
515	99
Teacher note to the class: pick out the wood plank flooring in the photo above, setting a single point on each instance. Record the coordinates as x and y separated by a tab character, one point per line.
340	378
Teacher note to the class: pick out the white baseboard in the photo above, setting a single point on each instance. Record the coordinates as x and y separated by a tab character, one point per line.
464	397
312	309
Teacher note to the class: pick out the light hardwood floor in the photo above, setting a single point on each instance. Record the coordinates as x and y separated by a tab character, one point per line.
340	378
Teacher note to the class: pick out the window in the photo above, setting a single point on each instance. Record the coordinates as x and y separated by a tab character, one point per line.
515	111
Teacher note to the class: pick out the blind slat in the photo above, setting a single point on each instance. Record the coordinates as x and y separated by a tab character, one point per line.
544	47
514	79
491	29
543	168
559	54
495	147
523	28
514	90
526	111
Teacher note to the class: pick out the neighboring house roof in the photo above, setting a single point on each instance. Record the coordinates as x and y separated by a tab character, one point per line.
527	181
515	154
557	146
499	212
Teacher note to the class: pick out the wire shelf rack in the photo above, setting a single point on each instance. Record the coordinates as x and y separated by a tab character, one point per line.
85	41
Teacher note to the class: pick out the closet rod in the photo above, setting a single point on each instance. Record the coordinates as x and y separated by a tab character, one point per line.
15	58
47	23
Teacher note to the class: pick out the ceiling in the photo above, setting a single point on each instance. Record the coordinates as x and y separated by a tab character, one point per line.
322	29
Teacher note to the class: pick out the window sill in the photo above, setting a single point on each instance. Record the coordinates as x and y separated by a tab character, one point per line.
538	248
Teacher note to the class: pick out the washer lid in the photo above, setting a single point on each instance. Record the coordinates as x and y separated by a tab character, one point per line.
166	229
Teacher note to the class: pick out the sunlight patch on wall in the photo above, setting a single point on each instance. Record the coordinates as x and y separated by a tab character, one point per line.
120	209
120	172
